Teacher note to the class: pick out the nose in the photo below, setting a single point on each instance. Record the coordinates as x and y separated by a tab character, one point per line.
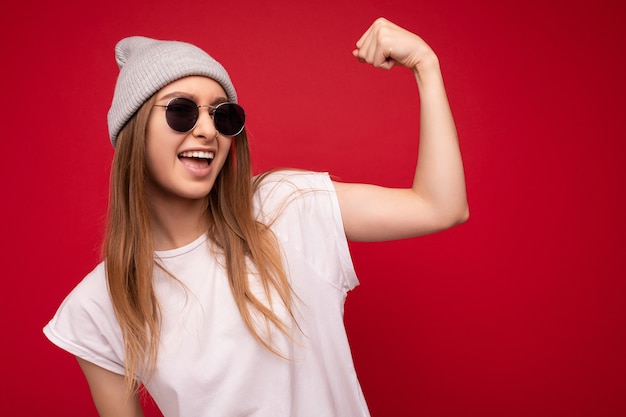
205	126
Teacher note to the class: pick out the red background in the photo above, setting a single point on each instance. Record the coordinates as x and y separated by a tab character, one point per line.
519	312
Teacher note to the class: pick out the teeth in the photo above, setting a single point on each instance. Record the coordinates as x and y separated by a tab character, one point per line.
198	154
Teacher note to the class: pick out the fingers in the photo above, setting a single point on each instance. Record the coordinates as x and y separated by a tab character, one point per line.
374	45
388	63
385	45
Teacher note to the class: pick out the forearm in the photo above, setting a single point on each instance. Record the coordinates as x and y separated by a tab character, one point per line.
439	177
109	392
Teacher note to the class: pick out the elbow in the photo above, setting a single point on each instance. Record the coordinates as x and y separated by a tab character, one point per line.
456	217
463	215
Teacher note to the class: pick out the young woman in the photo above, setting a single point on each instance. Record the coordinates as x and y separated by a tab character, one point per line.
223	294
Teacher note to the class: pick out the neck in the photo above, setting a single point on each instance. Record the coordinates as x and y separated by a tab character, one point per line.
178	222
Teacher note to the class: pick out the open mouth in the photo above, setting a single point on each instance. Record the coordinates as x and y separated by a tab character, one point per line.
197	157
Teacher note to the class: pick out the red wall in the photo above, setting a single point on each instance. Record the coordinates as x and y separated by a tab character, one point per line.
519	312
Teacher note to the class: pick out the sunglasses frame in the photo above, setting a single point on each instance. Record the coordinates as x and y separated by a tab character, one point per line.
212	111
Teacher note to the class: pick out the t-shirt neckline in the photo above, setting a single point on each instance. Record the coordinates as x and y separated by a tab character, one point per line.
171	253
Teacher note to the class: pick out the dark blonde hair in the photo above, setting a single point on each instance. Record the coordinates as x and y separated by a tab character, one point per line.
129	252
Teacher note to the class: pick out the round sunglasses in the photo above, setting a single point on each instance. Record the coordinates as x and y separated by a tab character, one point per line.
182	114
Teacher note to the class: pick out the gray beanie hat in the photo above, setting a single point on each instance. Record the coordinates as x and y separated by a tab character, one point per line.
147	65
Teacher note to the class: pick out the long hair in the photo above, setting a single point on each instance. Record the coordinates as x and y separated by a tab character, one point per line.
128	247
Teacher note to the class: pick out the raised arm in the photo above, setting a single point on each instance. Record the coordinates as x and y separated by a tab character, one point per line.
108	391
436	200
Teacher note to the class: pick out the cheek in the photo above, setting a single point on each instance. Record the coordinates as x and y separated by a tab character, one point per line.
226	151
227	145
161	142
152	162
159	154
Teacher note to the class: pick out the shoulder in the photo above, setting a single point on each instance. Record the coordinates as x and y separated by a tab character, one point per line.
302	209
85	323
280	190
291	179
93	286
89	298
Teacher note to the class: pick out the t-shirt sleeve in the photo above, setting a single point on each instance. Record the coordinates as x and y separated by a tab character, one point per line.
85	324
303	211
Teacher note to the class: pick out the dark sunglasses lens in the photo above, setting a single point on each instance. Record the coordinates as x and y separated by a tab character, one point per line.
229	119
181	114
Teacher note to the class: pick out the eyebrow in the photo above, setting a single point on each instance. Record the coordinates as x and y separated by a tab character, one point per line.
176	94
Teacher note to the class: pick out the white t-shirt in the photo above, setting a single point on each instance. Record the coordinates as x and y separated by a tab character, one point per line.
208	362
